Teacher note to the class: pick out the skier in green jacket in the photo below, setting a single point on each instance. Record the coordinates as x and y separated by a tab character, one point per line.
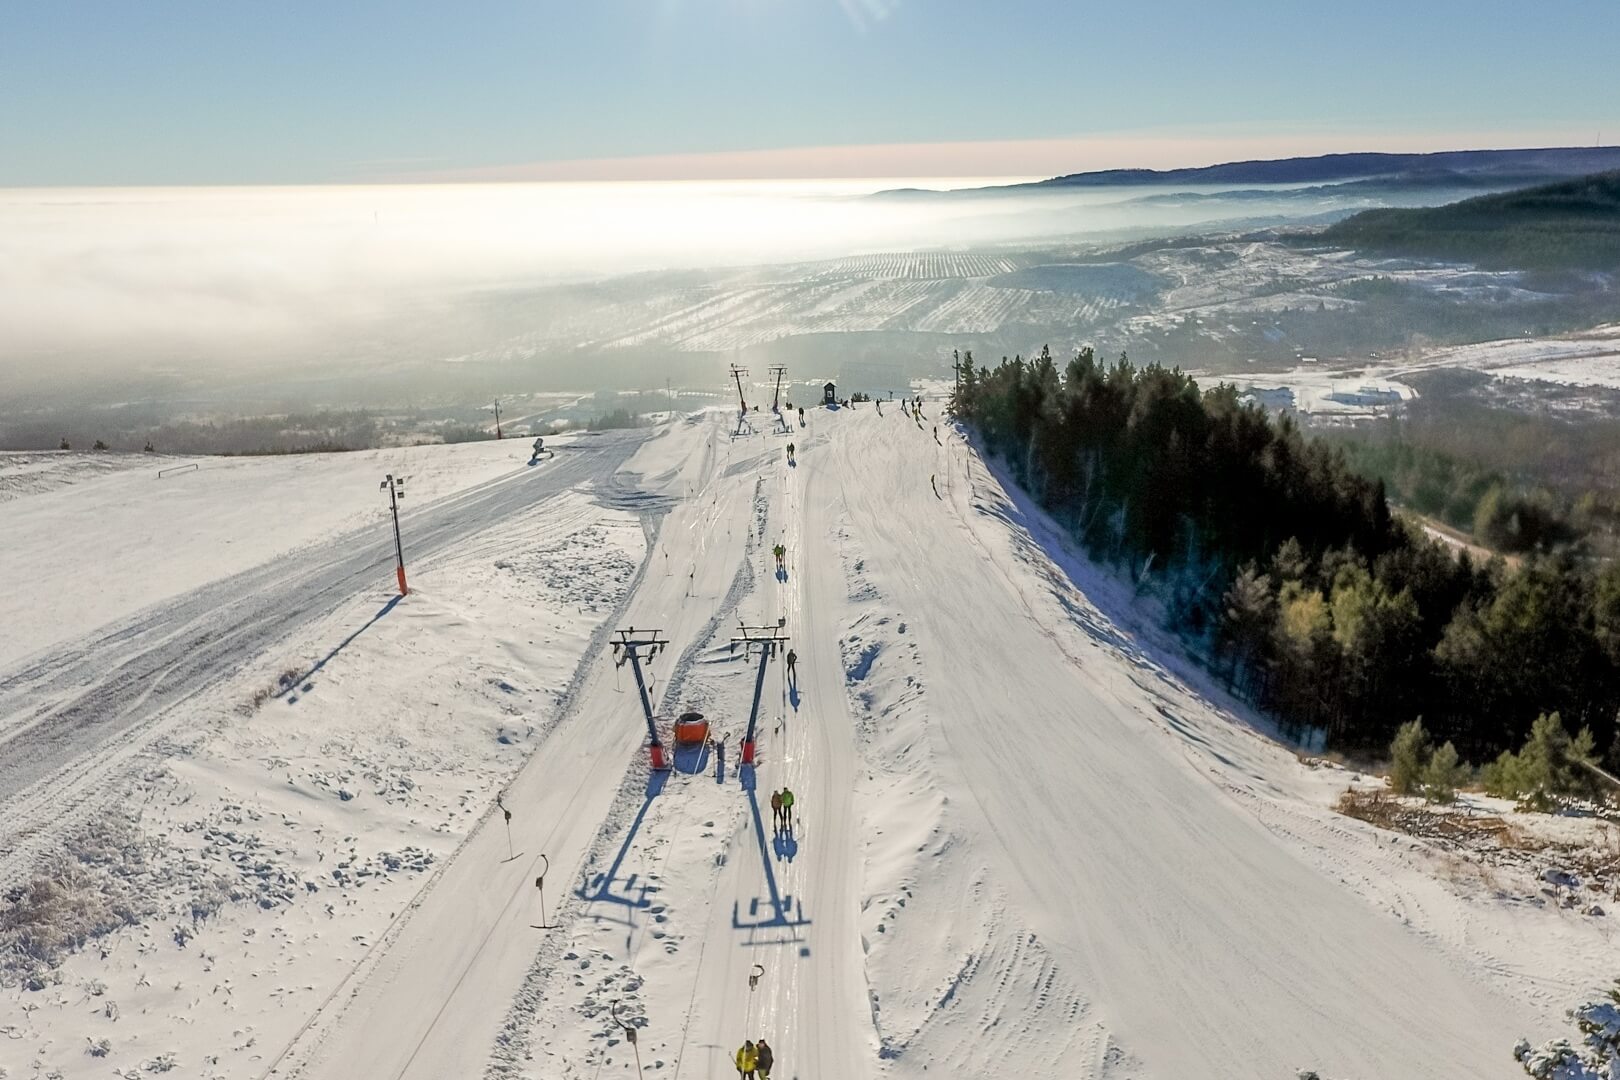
787	808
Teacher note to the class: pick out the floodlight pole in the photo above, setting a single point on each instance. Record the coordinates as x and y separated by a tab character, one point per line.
396	492
498	418
629	646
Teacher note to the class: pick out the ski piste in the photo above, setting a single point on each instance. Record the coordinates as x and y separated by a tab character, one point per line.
1035	836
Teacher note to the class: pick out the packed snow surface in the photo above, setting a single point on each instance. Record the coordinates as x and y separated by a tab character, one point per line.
1027	834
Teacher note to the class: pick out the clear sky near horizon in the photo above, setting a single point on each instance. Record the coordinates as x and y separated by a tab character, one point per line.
108	92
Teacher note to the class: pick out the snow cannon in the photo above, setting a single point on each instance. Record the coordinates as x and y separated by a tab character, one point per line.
691	729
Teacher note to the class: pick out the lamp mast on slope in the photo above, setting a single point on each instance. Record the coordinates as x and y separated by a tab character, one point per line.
395	486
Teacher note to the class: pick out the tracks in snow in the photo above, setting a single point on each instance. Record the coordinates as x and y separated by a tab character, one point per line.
78	717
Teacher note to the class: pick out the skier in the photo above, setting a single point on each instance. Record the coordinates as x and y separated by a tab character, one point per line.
781	553
776	811
746	1060
936	433
792	659
764	1059
801	416
787	809
790	451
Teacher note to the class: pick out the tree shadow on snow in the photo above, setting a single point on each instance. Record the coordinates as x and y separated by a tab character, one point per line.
1108	608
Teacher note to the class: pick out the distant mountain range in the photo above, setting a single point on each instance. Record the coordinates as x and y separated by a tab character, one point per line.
1451	168
1572	224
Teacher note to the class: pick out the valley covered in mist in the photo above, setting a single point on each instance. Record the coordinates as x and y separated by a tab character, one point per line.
382	313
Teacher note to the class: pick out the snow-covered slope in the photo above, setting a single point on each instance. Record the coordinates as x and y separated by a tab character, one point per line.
1027	835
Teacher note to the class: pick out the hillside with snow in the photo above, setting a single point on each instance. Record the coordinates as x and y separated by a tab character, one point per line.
253	804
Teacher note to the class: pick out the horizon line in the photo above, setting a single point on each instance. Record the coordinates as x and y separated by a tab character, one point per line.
983	160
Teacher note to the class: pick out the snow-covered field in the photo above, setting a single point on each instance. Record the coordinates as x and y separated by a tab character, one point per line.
1587	358
258	802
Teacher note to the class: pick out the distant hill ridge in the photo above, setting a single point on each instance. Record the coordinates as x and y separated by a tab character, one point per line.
1572	224
1503	166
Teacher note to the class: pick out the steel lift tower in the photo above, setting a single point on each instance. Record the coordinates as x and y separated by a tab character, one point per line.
767	641
743	426
636	648
782	425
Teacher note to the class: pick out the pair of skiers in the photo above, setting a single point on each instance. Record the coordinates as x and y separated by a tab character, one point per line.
782	810
790	451
781	554
755	1058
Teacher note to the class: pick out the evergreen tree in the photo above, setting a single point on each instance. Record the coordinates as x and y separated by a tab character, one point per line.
1443	775
1409	756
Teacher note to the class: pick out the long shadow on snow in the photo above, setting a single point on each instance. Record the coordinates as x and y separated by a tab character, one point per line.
301	684
784	911
632	895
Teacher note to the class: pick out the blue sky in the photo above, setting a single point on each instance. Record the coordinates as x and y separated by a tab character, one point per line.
230	91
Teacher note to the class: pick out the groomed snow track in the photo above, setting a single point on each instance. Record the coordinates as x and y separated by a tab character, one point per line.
70	716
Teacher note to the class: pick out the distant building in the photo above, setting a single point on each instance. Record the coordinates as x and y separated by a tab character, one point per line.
1367	396
1277	399
829	394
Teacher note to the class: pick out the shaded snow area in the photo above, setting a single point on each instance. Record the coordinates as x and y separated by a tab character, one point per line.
253	807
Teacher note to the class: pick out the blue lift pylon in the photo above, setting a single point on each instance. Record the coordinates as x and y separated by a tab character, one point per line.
634	647
767	640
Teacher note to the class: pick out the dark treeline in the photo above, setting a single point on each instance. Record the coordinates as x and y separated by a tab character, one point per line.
1479	501
1570	224
1287	570
1519	481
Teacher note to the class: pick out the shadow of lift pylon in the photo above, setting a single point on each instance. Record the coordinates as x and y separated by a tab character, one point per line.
785	911
766	641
